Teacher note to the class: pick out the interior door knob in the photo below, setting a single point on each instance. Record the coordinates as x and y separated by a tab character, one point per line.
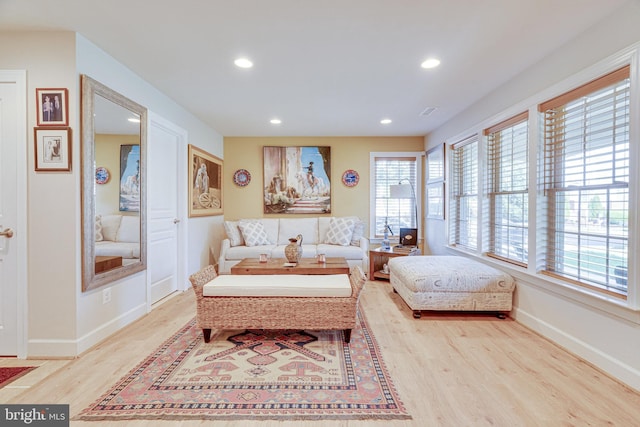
176	220
7	232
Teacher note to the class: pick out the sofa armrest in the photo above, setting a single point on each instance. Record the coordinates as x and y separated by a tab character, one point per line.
364	244
224	247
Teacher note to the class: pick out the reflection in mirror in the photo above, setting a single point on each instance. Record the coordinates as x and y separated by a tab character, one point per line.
113	185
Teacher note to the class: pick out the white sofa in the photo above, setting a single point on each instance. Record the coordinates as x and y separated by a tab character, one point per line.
118	235
333	236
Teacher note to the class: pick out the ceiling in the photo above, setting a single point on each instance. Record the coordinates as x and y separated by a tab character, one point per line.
325	68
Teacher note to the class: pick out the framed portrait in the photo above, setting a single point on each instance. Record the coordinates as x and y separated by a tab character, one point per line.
205	183
435	164
52	149
435	200
297	180
52	106
130	178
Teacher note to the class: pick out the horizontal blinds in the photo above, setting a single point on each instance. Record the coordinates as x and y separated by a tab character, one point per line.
507	189
396	212
586	178
464	193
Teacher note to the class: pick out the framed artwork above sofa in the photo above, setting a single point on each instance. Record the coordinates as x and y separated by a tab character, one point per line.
297	180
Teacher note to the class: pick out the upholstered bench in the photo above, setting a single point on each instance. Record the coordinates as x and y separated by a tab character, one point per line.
316	302
451	283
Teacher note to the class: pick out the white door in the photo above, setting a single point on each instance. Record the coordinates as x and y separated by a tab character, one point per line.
165	227
12	212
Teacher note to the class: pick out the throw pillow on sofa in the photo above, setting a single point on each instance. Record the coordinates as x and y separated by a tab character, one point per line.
340	231
253	233
358	232
98	226
110	226
233	233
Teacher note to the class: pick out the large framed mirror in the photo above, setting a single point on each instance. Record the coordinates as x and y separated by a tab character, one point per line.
114	137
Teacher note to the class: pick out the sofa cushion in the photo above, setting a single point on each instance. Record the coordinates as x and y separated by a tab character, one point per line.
253	233
340	231
242	252
233	233
129	230
279	285
125	250
346	252
291	227
110	225
271	228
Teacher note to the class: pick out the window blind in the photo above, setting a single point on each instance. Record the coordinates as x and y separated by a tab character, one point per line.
507	189
464	194
396	212
586	183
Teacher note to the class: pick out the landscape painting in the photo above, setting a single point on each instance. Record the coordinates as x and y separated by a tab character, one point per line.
296	180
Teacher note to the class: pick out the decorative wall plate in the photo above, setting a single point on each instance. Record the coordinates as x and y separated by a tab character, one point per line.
350	178
242	177
102	175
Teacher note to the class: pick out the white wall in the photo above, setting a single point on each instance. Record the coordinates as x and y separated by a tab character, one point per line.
604	332
129	295
62	320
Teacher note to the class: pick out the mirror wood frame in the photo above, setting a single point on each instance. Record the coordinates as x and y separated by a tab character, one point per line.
91	88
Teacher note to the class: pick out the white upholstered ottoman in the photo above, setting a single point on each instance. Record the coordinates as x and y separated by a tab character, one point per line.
451	283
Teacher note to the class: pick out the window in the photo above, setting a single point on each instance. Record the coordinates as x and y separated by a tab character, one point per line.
389	169
463	225
586	184
507	189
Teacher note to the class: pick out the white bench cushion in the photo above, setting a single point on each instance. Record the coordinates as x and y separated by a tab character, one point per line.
279	285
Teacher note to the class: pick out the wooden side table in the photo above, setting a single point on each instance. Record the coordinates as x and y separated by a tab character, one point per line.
378	257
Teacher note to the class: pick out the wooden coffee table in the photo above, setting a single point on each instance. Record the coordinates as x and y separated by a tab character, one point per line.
304	266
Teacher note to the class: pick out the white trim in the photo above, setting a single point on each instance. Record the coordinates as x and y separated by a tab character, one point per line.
622	371
73	348
419	155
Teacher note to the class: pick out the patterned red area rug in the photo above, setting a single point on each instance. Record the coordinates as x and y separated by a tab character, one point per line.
255	374
10	374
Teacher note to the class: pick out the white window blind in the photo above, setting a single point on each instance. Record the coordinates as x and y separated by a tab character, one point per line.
586	183
507	189
390	170
463	225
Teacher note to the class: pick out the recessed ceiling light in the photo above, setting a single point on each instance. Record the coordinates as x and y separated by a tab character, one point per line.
243	63
275	121
385	121
430	63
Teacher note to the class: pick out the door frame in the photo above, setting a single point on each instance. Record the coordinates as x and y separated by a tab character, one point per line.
19	78
155	119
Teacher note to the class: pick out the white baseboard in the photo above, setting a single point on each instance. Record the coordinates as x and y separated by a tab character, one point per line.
68	349
613	367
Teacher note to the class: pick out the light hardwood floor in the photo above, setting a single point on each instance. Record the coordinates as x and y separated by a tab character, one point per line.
449	369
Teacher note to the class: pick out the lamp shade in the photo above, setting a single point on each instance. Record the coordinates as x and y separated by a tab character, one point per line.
400	191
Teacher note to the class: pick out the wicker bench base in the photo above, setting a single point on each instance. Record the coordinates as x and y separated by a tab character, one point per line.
315	313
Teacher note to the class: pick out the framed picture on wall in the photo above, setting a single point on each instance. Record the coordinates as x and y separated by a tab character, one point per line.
52	149
130	178
52	107
297	180
205	182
